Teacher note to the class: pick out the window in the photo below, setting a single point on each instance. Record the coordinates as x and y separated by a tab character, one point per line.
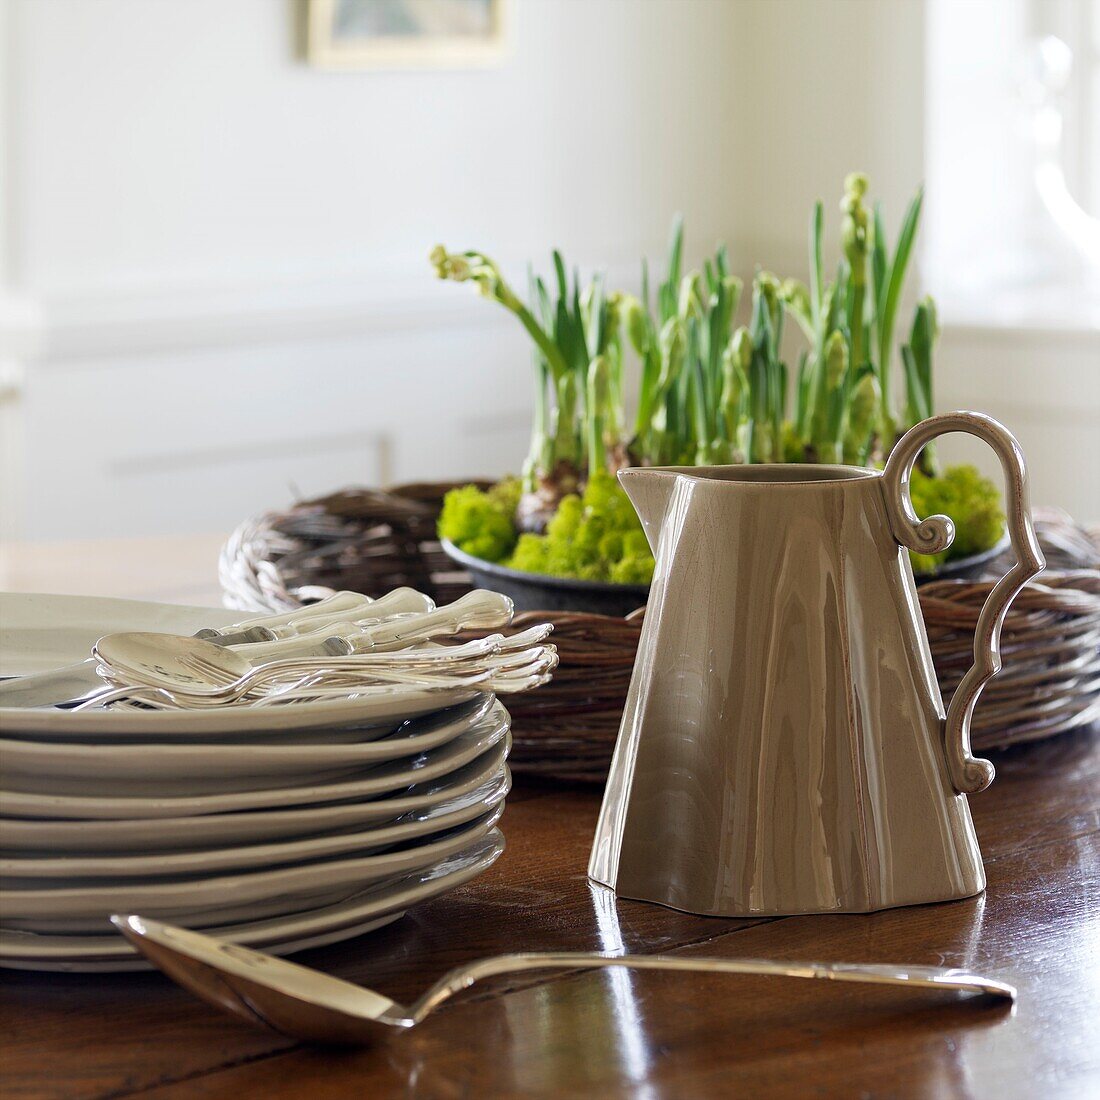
1014	158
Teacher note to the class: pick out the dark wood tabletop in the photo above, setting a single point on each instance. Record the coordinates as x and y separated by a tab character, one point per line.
650	1035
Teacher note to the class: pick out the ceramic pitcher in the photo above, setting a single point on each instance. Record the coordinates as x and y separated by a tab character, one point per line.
784	748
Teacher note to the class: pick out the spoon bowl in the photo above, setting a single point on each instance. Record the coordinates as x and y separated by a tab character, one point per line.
169	661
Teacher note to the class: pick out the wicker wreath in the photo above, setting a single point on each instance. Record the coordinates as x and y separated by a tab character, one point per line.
371	541
363	540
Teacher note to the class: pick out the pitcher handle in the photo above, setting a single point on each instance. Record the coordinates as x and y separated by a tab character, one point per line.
969	774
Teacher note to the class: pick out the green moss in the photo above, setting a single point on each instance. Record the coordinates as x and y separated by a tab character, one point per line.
598	536
594	537
971	500
481	523
529	554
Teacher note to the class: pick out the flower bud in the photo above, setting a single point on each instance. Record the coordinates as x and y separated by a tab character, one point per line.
732	378
767	285
863	407
836	359
599	383
614	306
863	414
853	229
440	261
855	183
927	303
741	347
637	330
796	295
688	305
673	349
735	387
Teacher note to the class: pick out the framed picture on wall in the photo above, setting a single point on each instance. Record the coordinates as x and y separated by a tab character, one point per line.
369	34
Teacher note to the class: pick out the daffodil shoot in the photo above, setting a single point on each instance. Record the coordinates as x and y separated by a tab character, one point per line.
710	391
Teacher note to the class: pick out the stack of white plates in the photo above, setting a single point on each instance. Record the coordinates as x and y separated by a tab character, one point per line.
281	828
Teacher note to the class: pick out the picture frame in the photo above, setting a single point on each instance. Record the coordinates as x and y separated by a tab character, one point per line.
405	34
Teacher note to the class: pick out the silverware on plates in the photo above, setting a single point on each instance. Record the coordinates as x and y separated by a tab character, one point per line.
195	672
72	683
199	667
298	1001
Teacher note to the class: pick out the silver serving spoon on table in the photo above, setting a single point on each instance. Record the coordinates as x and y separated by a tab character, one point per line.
71	683
306	1004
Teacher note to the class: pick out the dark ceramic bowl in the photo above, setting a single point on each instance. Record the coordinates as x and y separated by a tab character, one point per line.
537	592
966	569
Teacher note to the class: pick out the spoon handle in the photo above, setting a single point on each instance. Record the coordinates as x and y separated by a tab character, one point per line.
399	602
403	625
477	610
923	977
338	602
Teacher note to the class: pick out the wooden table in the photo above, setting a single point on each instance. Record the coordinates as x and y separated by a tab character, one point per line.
647	1035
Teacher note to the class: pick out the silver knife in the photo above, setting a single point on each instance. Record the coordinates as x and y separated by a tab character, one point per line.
268	628
70	683
73	683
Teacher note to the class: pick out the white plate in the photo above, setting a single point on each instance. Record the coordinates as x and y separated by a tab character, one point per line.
137	769
215	723
437	819
352	917
24	904
371	783
41	632
235	829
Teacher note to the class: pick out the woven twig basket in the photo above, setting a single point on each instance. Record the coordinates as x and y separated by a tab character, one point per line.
363	540
372	541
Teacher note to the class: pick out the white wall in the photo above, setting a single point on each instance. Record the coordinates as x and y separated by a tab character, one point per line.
215	285
182	142
825	87
215	255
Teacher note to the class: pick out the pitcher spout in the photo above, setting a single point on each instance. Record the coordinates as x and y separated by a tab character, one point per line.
649	491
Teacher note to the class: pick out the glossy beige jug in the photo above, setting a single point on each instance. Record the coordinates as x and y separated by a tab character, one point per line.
784	747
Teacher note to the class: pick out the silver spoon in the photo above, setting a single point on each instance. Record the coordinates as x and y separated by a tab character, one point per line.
194	667
306	1004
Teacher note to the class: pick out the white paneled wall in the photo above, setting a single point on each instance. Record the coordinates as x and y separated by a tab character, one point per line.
203	435
184	435
216	285
1045	386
